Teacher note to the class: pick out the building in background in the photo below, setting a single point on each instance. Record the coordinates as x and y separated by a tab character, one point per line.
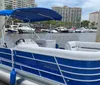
19	4
8	4
69	14
93	18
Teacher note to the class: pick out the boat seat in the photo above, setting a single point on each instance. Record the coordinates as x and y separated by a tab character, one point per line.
72	45
46	43
82	46
28	43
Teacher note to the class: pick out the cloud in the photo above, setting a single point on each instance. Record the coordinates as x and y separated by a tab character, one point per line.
87	6
90	6
50	3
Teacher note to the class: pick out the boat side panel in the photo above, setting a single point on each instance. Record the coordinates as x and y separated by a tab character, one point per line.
73	82
30	70
38	64
79	63
5	50
10	64
5	56
81	77
44	57
53	77
25	54
72	71
79	70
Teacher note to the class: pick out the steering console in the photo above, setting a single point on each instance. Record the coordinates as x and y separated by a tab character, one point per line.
20	40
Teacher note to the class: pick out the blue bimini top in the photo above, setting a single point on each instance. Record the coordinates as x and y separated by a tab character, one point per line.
32	14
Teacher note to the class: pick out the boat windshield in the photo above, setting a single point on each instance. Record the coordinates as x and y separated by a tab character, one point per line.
14	26
23	24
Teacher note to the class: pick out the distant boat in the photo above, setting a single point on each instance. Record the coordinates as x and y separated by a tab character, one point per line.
12	29
62	29
72	30
24	28
20	28
53	31
49	31
81	30
93	30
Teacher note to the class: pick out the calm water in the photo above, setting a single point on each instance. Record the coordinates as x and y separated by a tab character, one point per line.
59	37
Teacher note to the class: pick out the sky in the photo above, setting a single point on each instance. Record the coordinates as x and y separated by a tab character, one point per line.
87	6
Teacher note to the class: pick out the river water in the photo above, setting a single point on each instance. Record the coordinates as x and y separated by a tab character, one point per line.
61	38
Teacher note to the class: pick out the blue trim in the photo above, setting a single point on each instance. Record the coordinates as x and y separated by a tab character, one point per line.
26	54
10	64
78	63
6	56
5	50
44	57
72	82
38	64
6	63
30	70
17	66
53	77
81	77
81	71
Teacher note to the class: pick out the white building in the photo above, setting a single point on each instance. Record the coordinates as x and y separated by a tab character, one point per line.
93	17
69	14
20	3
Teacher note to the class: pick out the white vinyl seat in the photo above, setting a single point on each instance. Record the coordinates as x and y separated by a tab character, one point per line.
82	46
46	43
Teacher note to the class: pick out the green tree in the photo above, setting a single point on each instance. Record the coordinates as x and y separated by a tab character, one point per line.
60	23
9	7
69	24
78	22
92	24
85	23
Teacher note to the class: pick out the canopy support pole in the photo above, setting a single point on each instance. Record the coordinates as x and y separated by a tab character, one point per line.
3	30
98	29
33	32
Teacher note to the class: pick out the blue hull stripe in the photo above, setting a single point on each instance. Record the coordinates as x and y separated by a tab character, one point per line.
6	63
10	64
81	71
30	70
46	66
51	76
5	50
26	54
81	77
17	66
38	64
36	56
44	57
77	63
72	82
6	56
